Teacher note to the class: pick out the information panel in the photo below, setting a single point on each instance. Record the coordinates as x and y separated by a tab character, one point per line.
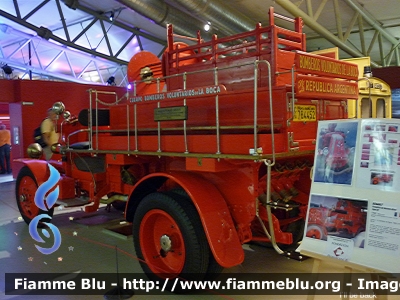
354	208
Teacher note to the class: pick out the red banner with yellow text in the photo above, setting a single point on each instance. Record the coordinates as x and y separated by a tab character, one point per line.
325	66
325	88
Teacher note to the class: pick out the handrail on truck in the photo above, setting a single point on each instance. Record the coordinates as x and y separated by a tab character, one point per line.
95	131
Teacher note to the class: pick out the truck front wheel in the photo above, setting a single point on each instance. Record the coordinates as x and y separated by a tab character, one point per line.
25	189
169	238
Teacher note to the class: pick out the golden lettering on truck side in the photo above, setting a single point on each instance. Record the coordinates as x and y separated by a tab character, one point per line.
326	66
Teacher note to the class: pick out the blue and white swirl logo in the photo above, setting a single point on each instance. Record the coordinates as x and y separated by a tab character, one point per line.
51	198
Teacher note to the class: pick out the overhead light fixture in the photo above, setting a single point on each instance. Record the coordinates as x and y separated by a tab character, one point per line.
111	81
7	69
72	4
207	26
111	17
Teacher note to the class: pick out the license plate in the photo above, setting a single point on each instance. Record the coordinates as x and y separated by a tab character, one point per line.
304	113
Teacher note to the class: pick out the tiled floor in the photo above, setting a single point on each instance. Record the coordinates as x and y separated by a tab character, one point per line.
88	247
6	178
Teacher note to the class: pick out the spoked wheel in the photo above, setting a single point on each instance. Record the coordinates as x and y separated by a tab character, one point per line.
316	232
169	238
25	189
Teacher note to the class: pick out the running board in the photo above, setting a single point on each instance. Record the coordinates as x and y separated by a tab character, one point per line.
73	202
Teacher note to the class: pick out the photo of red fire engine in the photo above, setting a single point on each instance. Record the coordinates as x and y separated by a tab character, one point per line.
335	156
339	217
379	156
384	179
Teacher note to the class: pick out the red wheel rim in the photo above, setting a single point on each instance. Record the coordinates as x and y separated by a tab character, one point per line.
156	229
26	197
314	233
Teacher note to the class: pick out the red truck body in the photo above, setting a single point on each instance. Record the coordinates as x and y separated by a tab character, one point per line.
211	149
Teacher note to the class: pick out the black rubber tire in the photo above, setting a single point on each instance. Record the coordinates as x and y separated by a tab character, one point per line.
22	175
179	191
214	268
186	217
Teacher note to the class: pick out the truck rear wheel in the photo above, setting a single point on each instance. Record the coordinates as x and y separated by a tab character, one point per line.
214	268
169	238
25	190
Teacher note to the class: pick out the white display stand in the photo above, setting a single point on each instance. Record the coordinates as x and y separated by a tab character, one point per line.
353	216
348	268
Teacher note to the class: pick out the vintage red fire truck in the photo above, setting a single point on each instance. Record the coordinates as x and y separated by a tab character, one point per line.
346	219
211	149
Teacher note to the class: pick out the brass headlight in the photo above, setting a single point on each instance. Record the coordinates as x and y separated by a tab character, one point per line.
34	151
58	108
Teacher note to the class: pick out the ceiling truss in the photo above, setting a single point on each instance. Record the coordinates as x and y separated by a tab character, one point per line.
41	70
351	37
100	65
359	34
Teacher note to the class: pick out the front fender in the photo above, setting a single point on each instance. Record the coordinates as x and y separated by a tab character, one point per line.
39	168
211	206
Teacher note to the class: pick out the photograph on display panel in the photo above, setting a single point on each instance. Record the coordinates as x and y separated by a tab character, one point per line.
379	155
338	217
334	159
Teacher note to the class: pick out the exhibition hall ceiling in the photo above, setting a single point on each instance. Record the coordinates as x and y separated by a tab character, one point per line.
76	40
